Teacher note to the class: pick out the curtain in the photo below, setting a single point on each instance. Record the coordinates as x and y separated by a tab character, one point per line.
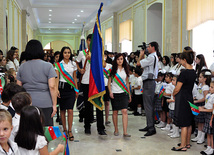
108	36
198	12
125	30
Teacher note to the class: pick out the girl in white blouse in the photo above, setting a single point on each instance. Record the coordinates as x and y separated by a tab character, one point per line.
66	92
30	137
119	93
10	61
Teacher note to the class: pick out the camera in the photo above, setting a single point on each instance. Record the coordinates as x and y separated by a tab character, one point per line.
144	47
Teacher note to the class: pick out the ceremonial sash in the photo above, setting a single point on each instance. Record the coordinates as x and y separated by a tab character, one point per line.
141	90
120	82
105	73
84	52
66	76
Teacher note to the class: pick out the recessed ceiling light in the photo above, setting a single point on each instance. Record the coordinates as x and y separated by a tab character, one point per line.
73	22
78	15
67	29
49	18
50	10
49	29
50	15
81	11
75	19
49	22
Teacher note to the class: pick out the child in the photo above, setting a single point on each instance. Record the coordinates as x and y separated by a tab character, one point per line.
7	146
138	98
208	108
171	101
19	100
9	91
30	137
157	101
106	96
167	94
11	75
202	91
132	80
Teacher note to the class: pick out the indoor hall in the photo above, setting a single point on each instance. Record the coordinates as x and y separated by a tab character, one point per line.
125	24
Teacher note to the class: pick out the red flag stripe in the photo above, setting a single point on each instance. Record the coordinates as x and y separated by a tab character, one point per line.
120	83
195	110
51	131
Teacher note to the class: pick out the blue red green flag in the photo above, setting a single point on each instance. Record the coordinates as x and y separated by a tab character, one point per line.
96	78
52	132
194	109
66	150
162	90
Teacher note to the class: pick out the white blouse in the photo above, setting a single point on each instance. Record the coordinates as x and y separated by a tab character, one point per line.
108	66
13	150
12	65
70	68
209	101
169	89
139	82
40	143
114	87
200	90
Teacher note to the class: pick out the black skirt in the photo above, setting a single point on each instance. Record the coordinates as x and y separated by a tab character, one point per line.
67	96
120	101
106	96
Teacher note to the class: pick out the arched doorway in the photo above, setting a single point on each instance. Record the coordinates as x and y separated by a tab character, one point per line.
57	46
154	24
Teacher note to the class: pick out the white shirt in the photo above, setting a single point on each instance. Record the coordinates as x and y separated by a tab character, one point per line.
12	65
70	68
209	101
13	150
194	90
169	89
139	82
108	66
172	104
15	123
166	68
160	65
158	87
40	143
200	90
114	87
81	58
132	79
148	66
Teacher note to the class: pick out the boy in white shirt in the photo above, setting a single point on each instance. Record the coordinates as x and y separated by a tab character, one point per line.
138	98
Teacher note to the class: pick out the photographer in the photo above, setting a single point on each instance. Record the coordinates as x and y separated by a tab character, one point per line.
150	66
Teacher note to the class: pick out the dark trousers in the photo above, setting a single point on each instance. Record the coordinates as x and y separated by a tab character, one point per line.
47	116
148	101
89	111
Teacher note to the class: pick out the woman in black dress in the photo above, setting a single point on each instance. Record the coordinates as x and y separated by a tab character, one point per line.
183	94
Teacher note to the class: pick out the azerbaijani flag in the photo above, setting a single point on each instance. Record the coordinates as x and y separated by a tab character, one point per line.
194	109
156	116
96	78
141	90
161	92
52	132
66	151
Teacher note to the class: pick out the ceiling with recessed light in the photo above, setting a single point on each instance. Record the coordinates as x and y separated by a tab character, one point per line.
68	16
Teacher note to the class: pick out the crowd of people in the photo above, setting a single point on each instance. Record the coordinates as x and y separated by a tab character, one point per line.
145	82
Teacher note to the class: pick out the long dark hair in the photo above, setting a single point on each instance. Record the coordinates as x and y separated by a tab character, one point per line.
29	128
189	56
10	55
115	66
208	77
202	63
62	51
174	58
167	60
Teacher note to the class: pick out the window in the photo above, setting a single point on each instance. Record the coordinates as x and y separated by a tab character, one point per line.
125	36
108	39
203	39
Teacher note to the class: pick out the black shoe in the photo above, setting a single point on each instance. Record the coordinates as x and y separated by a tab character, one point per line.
94	120
137	114
60	122
57	119
87	131
180	149
150	133
144	129
81	120
102	133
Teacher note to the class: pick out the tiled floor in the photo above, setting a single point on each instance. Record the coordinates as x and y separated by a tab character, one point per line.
159	144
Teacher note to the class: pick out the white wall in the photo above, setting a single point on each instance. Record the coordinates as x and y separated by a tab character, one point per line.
154	24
